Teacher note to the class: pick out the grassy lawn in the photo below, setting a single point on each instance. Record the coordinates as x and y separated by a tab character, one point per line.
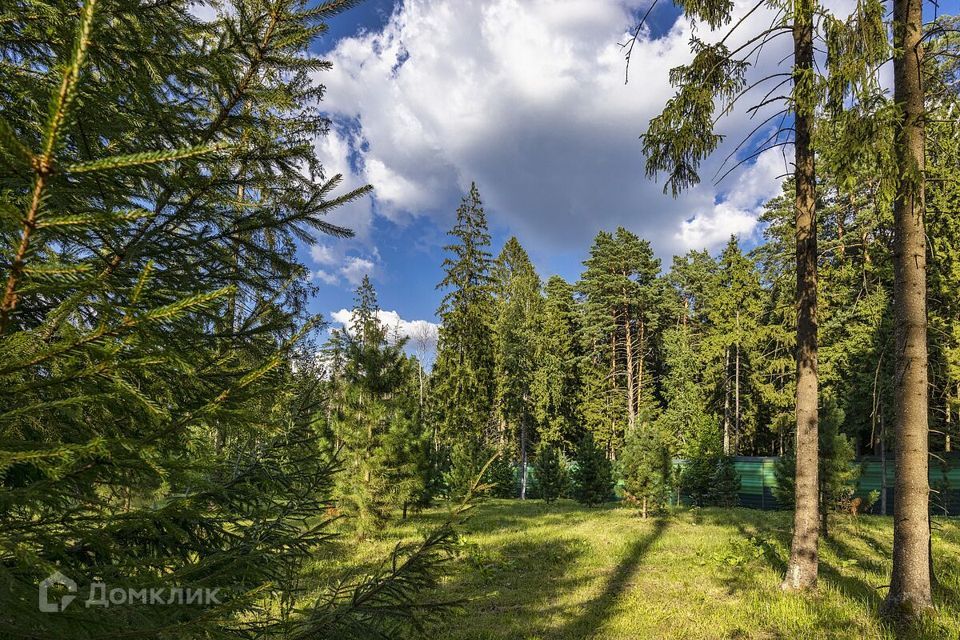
537	571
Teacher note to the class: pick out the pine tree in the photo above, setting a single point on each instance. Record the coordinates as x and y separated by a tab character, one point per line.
464	385
622	315
645	467
377	424
592	475
550	473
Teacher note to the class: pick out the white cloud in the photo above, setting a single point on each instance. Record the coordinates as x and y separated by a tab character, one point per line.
337	267
323	254
422	334
326	277
738	213
356	268
528	99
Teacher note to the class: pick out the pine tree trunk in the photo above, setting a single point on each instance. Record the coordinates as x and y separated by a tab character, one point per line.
883	467
726	403
736	386
804	563
523	459
949	425
644	507
910	589
631	392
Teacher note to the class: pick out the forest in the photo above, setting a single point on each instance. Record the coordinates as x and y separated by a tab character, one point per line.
188	449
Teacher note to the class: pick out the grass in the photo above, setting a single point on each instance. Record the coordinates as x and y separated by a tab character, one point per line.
535	571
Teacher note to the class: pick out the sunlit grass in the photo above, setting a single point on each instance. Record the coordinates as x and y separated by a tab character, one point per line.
537	571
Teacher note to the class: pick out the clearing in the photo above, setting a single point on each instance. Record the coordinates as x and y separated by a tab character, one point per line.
536	571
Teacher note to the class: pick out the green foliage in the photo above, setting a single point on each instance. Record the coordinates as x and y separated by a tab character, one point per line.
622	316
518	310
556	381
160	398
725	483
685	417
710	480
645	467
838	472
550	473
592	475
682	136
468	457
377	427
463	380
503	477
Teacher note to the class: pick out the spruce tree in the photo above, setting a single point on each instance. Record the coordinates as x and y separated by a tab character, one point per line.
153	328
502	476
516	286
685	417
592	475
910	583
464	384
556	380
681	137
550	473
468	458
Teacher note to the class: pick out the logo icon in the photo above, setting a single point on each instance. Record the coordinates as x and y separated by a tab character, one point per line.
54	579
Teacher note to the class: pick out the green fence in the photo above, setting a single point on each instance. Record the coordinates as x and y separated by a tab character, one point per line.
758	480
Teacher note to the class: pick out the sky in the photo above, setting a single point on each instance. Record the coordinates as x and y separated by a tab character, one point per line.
528	99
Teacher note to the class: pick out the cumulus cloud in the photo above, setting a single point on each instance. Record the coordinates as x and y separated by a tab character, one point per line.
422	334
322	254
528	99
738	212
356	268
326	277
337	267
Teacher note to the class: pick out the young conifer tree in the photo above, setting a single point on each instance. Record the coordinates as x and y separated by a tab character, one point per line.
374	423
550	472
592	475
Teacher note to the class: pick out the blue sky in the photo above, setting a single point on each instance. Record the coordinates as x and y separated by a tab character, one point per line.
527	98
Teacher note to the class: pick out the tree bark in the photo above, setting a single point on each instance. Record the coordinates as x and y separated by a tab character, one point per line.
804	561
631	391
726	403
736	387
523	459
910	589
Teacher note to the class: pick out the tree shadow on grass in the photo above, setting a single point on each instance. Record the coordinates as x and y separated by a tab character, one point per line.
519	582
854	589
598	611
